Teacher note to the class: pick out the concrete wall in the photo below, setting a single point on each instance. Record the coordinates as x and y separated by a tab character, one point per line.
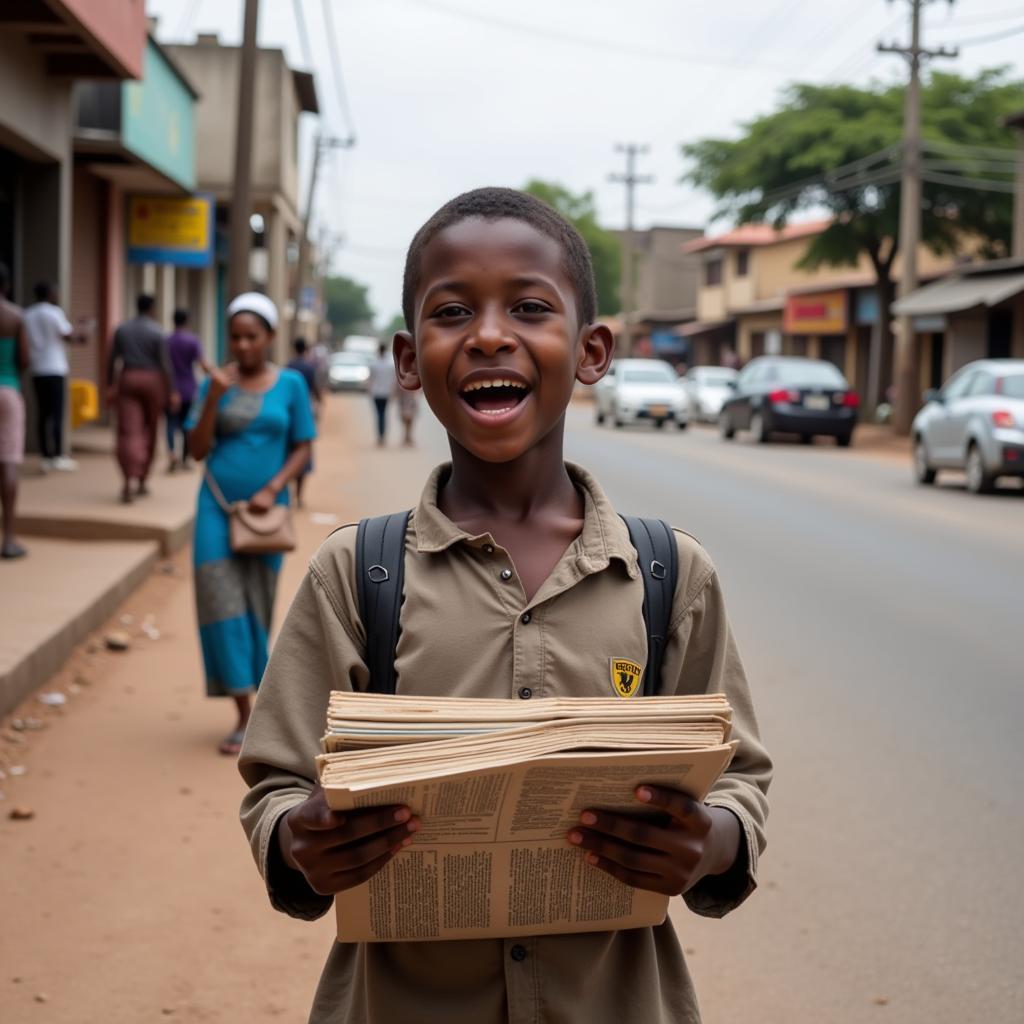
214	71
666	277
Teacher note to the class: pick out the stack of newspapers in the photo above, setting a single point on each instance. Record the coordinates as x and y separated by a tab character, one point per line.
497	785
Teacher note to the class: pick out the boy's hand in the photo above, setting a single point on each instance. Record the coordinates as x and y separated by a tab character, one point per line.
338	850
669	857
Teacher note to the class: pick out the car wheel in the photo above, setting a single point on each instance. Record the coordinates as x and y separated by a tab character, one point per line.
923	472
659	424
682	424
844	440
758	429
725	427
979	480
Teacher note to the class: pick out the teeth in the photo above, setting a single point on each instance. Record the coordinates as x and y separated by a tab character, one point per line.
478	385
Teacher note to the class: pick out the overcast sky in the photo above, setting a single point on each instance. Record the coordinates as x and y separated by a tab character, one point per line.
448	95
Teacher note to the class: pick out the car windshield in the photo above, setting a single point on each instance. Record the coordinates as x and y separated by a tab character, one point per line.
347	359
1012	387
716	380
808	374
648	375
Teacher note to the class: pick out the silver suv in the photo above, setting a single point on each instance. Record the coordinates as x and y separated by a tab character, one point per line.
974	423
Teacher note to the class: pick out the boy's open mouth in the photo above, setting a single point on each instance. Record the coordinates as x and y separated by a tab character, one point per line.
494	396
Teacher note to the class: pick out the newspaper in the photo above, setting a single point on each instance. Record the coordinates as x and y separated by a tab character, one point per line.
491	858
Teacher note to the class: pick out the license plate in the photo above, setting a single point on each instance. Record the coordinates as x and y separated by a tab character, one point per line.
658	411
818	402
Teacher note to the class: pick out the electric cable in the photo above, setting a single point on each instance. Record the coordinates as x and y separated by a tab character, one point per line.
339	81
300	22
187	17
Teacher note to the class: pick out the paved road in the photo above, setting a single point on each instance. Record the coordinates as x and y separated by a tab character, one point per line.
881	627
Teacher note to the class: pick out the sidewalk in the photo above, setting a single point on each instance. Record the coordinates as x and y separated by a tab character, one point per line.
87	553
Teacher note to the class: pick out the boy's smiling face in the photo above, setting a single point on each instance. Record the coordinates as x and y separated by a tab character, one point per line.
498	345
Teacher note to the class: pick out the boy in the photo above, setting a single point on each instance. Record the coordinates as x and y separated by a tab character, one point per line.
520	581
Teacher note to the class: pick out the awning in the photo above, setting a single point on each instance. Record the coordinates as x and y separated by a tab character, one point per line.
954	295
702	327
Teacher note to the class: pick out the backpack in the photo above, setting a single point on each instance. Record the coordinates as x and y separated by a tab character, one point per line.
380	575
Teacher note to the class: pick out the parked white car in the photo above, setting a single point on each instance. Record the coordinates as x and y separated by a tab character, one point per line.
348	371
642	390
708	387
974	423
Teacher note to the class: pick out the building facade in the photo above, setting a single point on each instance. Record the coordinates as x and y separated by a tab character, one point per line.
282	96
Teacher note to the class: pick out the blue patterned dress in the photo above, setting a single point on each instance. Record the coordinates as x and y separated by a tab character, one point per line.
253	437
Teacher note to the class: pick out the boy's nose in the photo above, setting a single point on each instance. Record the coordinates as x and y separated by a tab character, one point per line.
491	337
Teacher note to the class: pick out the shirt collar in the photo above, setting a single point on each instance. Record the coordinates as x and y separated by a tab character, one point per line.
603	538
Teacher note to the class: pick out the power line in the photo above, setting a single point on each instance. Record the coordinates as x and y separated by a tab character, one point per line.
608	45
339	81
300	22
185	22
984	184
993	37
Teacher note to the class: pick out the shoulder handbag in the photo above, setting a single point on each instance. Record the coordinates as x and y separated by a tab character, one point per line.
254	533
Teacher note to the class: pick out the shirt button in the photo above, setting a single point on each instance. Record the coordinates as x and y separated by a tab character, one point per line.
525	618
488	549
518	952
525	693
506	574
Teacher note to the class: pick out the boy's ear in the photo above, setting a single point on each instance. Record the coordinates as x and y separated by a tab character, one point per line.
404	349
597	349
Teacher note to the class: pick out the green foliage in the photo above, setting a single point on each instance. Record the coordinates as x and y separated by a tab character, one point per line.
348	309
782	162
605	251
392	327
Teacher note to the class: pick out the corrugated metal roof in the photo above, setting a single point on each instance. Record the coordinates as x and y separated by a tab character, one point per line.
954	295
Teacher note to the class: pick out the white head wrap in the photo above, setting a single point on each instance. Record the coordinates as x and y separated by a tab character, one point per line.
254	302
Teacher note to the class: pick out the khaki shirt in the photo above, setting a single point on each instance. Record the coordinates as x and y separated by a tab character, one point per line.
466	632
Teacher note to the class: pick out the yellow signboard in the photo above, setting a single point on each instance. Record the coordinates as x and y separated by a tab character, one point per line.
170	229
820	313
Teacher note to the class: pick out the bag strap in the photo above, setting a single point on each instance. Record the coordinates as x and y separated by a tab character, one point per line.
380	575
658	558
218	494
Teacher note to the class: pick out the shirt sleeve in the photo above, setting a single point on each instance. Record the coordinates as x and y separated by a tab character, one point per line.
303	427
320	648
701	655
197	406
61	322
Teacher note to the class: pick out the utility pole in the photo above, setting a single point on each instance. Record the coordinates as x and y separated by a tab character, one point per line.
320	146
1017	122
910	215
630	179
240	238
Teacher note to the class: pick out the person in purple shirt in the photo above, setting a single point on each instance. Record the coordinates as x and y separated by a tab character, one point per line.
185	351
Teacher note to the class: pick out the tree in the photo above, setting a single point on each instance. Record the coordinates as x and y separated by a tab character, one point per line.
348	309
838	147
581	212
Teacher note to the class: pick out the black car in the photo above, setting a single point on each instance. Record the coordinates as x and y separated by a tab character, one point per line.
790	395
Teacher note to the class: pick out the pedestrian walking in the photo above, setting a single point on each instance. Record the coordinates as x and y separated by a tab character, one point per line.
253	424
382	386
518	579
13	363
303	364
185	352
47	330
141	384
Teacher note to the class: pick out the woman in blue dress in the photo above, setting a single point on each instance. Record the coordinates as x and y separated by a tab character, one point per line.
253	423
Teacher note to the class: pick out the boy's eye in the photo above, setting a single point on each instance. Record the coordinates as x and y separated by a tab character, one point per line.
451	311
531	307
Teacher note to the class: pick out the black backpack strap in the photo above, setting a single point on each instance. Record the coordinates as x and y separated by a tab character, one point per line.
380	575
658	558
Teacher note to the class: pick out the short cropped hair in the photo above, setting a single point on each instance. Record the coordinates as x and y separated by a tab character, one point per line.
299	344
501	204
144	304
42	290
180	317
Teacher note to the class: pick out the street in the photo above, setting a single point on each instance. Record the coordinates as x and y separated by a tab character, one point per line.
878	623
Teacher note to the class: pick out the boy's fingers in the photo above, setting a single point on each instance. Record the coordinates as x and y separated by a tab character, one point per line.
627	855
627	827
360	824
684	809
637	879
342	880
354	855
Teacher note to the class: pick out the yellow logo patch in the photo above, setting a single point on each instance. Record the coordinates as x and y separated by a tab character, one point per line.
626	676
